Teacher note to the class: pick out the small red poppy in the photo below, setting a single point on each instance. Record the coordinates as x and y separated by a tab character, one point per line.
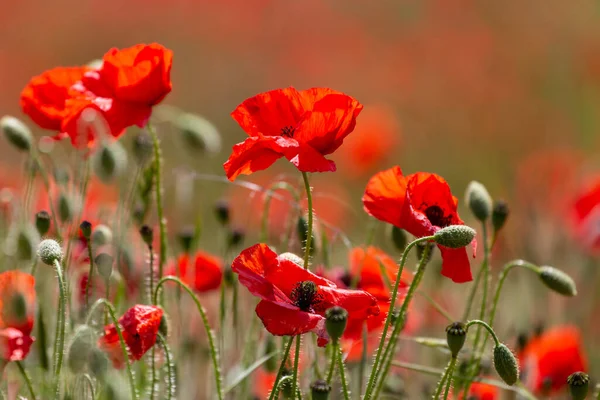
302	126
17	301
14	344
294	300
420	203
204	275
140	326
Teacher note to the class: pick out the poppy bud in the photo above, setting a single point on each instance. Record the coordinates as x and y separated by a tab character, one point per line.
143	148
104	262
499	214
147	235
65	208
186	239
319	390
222	211
16	132
506	364
80	348
270	347
198	133
296	259
98	363
578	385
49	251
22	243
336	319
42	222
456	334
454	236
236	237
421	249
557	280
86	229
109	161
163	328
479	201
302	229
398	238
102	235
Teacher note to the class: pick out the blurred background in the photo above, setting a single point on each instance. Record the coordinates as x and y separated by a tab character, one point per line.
506	93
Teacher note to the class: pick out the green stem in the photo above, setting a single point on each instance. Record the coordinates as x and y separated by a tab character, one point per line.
90	384
332	363
342	370
437	307
310	219
27	379
59	340
151	272
153	376
449	380
211	340
296	360
442	382
278	379
376	364
39	167
169	364
486	326
90	274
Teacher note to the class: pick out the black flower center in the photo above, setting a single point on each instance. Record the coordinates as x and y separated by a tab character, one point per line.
288	131
436	216
306	296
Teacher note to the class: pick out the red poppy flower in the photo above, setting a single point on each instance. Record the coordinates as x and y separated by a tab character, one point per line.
294	300
140	328
548	360
204	275
586	216
14	344
420	203
302	126
482	391
17	301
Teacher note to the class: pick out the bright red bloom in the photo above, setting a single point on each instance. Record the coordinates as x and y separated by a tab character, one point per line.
302	126
140	328
482	391
420	203
17	301
204	275
547	360
586	216
14	344
294	300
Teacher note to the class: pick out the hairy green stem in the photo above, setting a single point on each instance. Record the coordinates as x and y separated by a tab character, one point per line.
278	379
90	274
486	326
296	360
310	219
59	340
333	362
449	380
169	364
26	378
342	371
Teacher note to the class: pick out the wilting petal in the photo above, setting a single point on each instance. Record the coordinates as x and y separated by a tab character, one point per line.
455	264
284	320
385	196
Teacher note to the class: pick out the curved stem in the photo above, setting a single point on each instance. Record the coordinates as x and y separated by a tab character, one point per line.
310	219
90	274
27	379
59	340
441	383
169	363
386	326
278	379
332	363
342	370
449	380
211	340
486	326
296	359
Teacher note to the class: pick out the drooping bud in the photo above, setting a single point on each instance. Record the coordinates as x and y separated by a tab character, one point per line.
336	319
222	211
319	390
235	237
49	251
65	208
109	161
104	262
454	236
198	133
42	222
506	364
499	214
579	383
102	235
296	259
456	334
143	149
479	201
558	281
16	132
80	348
302	230
398	238
147	235
86	229
186	238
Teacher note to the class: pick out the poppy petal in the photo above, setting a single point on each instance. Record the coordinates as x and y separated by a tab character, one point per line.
358	303
307	159
14	345
290	321
17	301
455	264
385	196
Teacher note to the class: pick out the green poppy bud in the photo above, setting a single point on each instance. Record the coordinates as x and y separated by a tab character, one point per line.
399	238
86	229
499	214
98	363
454	236
506	364
16	132
479	201
558	281
579	383
80	348
456	334
65	208
271	364
222	212
235	237
198	133
102	235
319	390
186	238
147	235
336	319
163	328
104	263
109	161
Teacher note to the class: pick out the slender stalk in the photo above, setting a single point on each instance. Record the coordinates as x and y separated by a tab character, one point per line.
485	266
442	382
332	363
211	340
449	381
278	379
90	274
474	287
376	364
27	379
436	306
342	370
296	359
486	326
59	340
153	376
169	364
310	219
41	169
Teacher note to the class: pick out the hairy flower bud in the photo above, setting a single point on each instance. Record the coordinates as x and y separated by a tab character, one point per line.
235	237
102	235
49	251
454	236
270	347
456	334
558	281
98	363
499	214
42	222
104	263
336	319
479	201
319	390
398	238
198	133
163	328
16	132
506	364
579	383
109	161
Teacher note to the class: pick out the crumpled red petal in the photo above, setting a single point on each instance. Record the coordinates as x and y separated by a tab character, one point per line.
385	196
455	264
282	320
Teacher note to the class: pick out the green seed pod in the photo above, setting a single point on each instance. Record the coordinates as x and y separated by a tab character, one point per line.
336	319
506	364
558	281
102	235
80	349
86	229
579	383
49	250
320	390
16	132
222	212
454	236
109	161
456	334
399	238
198	133
163	328
186	238
104	262
42	222
499	214
479	201
235	237
27	240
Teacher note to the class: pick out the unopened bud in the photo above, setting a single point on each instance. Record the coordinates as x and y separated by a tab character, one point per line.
86	229
80	349
320	390
558	281
143	149
65	208
42	222
398	238
198	133
296	259
336	319
16	132
236	237
456	334
222	212
186	238
49	251
499	214
454	236
147	235
579	383
109	161
104	262
479	201
61	175
506	364
102	235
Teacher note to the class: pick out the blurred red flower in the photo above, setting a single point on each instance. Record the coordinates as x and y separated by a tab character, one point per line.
294	300
302	126
548	359
203	275
14	345
586	216
420	203
140	326
482	391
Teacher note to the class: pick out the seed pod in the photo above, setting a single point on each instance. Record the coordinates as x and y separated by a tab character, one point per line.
558	281
222	211
454	236
186	238
86	229
102	235
336	319
80	349
147	234
479	201
579	383
163	328
104	262
320	390
16	132
98	363
506	364
456	334
235	237
65	208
